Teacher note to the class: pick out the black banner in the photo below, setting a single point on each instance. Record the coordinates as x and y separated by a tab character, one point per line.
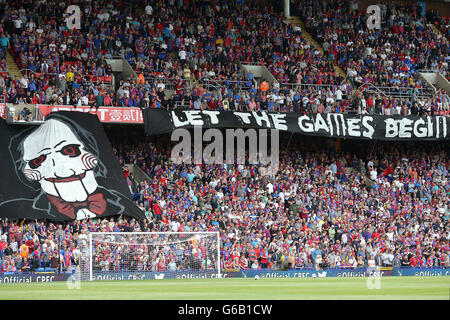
373	127
64	169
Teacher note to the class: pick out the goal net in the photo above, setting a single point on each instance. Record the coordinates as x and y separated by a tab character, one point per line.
150	255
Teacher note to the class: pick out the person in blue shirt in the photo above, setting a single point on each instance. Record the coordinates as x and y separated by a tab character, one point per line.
32	85
190	176
183	174
4	46
316	252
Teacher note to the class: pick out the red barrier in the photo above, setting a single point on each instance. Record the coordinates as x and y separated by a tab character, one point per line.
105	114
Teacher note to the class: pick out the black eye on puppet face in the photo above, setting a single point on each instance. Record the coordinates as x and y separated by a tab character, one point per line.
71	150
36	162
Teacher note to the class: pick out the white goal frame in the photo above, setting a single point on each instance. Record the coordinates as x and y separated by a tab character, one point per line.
219	273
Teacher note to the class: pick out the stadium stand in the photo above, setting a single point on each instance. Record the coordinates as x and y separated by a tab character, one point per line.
69	67
325	208
382	57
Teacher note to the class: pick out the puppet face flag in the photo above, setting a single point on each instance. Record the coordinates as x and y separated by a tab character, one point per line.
59	162
62	170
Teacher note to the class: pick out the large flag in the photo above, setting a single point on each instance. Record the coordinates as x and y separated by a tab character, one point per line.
332	125
63	169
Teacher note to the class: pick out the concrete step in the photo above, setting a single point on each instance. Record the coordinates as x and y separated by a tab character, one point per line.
436	30
11	67
294	20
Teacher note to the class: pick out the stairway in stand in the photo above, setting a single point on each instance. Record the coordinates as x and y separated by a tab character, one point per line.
12	68
436	30
295	21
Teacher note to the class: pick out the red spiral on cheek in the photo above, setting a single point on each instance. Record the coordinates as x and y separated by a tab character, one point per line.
89	161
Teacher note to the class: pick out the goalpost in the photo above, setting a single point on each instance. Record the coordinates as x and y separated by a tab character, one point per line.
150	255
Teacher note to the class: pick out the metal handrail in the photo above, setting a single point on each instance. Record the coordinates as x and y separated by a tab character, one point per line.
242	85
219	83
182	104
427	70
402	91
14	75
169	83
395	92
302	86
365	88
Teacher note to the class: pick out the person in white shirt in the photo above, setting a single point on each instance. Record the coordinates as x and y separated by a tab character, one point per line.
24	82
352	262
161	85
79	102
84	100
175	225
387	258
344	238
338	95
282	197
30	25
362	242
269	188
149	10
305	101
18	23
338	260
373	174
318	261
182	56
371	262
363	104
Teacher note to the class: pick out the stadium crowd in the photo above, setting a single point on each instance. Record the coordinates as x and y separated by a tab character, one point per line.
388	56
167	41
323	208
195	50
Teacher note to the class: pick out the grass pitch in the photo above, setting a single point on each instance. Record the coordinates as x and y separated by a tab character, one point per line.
236	289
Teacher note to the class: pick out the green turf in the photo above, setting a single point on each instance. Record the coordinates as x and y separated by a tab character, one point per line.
237	289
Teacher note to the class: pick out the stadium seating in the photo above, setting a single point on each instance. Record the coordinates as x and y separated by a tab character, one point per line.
344	207
325	207
210	42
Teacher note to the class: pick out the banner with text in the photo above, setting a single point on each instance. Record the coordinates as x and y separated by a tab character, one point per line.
19	277
104	114
373	127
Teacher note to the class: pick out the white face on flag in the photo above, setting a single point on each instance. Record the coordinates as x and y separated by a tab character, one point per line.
56	158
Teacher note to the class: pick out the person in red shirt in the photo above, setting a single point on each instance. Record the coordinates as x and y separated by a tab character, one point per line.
251	256
126	171
243	263
157	211
264	257
161	265
413	261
